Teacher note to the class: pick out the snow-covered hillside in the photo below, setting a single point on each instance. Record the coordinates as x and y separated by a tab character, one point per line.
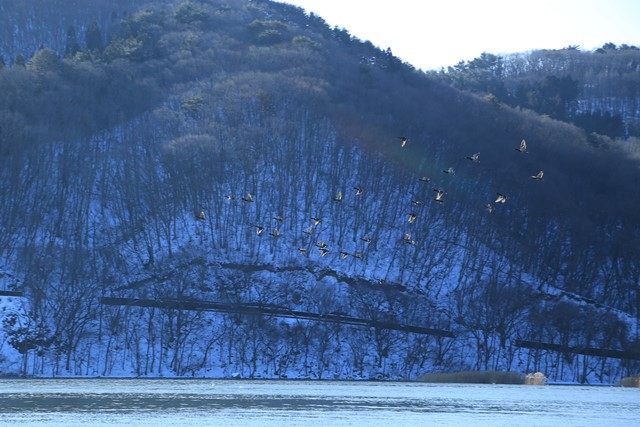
242	152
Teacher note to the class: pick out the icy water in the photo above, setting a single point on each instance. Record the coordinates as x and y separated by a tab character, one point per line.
248	403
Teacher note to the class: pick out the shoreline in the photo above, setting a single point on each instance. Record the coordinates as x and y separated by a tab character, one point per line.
292	380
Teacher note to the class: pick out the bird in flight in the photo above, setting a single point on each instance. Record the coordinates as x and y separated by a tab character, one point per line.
366	239
406	237
230	197
489	207
501	198
538	176
403	141
523	147
416	202
412	218
439	196
424	179
316	221
303	251
321	244
449	171
359	190
279	218
275	232
248	198
324	251
358	255
475	157
344	255
259	230
200	216
338	197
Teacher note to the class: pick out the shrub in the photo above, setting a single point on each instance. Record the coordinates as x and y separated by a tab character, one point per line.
306	42
474	377
631	382
189	13
130	48
270	37
193	104
258	26
44	60
268	32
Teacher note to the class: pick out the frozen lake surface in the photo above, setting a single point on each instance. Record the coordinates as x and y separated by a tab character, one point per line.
245	403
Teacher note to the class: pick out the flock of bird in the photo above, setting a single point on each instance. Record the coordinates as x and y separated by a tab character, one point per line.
359	191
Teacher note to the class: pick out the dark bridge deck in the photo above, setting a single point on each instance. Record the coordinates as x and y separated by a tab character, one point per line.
4	293
272	310
587	351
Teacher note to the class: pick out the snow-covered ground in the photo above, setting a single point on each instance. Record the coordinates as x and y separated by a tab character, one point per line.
9	357
172	254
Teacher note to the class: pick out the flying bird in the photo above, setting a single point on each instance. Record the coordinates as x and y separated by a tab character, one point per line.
359	190
489	207
338	197
424	179
259	230
321	244
200	216
501	198
523	147
248	198
303	251
279	218
416	202
406	237
316	220
475	157
449	171
538	176
412	218
366	239
403	141
358	255
275	232
344	255
308	230
230	197
324	251
439	196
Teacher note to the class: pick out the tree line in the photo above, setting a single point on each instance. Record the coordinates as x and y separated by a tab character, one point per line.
596	90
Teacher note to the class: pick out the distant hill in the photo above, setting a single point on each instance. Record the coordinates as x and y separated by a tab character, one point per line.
212	150
597	90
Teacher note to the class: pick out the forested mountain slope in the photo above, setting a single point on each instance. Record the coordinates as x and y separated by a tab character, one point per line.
26	26
597	90
186	158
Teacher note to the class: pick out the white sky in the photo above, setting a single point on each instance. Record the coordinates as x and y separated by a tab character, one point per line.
434	33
